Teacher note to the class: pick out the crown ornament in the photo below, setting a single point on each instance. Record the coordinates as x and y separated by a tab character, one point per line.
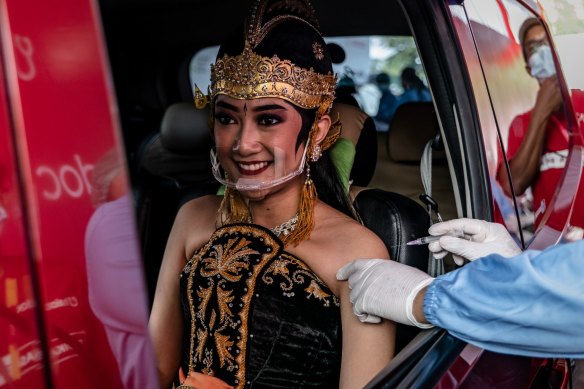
249	75
252	76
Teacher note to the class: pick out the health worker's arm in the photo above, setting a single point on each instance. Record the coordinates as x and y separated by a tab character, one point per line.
530	305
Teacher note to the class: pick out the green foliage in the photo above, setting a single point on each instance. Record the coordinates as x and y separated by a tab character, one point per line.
564	16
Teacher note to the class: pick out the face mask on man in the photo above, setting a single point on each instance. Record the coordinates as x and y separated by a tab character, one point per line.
541	63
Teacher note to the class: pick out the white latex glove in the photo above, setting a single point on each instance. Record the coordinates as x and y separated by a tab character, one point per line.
480	239
382	288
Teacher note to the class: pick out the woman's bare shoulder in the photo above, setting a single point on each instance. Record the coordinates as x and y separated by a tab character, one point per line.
196	221
351	239
357	241
202	205
337	240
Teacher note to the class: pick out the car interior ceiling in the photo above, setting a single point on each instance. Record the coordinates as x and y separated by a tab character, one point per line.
150	44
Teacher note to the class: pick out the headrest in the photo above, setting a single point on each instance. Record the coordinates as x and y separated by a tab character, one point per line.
413	125
181	150
185	129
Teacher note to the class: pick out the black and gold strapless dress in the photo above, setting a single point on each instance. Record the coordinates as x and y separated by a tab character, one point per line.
257	316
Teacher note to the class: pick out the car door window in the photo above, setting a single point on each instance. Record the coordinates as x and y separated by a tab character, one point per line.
516	58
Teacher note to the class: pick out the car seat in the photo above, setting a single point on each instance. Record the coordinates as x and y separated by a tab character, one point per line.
174	167
413	125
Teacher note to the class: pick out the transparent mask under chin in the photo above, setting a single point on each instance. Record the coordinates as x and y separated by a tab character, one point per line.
253	174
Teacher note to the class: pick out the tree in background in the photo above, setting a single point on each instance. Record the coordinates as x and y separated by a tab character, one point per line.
564	16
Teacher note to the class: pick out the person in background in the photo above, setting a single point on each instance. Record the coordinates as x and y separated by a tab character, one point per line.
387	102
510	302
414	90
115	274
346	90
414	87
538	141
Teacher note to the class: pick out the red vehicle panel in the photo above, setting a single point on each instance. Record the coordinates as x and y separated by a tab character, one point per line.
63	117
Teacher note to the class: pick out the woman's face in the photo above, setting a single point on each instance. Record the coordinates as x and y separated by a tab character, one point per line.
256	139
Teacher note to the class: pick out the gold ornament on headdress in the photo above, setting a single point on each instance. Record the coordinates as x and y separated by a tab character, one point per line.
252	76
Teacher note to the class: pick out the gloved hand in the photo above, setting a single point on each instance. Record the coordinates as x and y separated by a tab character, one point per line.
471	239
382	288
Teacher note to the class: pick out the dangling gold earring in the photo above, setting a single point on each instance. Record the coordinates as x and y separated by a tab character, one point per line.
305	223
234	207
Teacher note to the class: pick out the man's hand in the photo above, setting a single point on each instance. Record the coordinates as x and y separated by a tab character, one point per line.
480	239
549	98
382	288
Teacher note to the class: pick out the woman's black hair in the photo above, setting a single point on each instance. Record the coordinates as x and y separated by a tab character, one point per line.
323	172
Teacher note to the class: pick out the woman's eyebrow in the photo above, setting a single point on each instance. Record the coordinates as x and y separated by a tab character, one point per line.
225	105
268	107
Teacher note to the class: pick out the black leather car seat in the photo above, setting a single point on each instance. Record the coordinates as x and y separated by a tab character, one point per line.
175	167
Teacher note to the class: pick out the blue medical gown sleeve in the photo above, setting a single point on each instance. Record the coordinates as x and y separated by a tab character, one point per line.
531	305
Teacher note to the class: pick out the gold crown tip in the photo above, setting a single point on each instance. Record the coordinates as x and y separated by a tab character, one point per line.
201	100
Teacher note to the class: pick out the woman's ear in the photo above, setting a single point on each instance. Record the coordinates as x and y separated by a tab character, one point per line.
322	129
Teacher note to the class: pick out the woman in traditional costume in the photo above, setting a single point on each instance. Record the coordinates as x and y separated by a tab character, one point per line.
247	294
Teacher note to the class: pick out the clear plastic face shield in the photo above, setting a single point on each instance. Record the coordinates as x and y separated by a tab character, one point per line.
255	174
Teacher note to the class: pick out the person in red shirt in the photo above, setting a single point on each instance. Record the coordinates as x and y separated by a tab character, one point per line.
538	142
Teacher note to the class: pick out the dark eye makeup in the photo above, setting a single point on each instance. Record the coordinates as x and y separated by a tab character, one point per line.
269	119
224	118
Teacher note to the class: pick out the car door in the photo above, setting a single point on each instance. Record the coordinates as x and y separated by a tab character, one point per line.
516	109
22	349
59	140
477	74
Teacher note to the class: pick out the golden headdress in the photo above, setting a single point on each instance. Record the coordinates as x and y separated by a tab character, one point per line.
250	75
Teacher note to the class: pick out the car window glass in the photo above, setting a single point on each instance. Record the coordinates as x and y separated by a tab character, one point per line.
362	58
566	24
520	75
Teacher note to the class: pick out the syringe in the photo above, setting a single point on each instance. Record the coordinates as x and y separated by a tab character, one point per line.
424	240
434	238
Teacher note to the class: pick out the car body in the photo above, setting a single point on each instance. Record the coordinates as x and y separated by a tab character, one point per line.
82	79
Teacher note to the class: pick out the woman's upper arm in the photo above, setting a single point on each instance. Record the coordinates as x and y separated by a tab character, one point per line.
367	348
165	319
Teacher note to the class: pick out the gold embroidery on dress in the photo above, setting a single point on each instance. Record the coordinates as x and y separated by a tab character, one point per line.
219	325
292	271
227	261
205	296
226	271
201	339
222	343
315	290
224	298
